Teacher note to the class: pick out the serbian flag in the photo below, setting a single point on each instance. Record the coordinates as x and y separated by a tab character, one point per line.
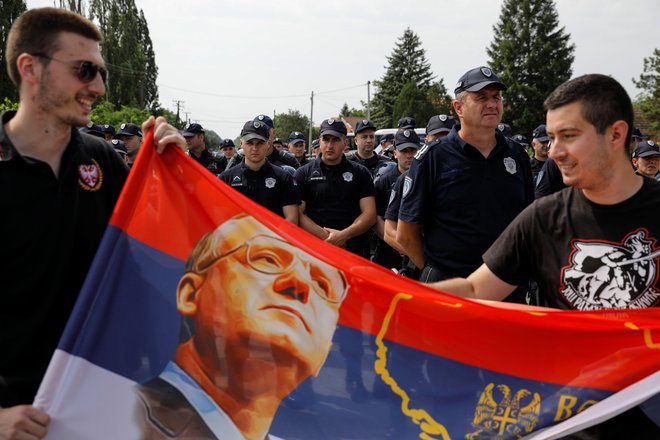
401	361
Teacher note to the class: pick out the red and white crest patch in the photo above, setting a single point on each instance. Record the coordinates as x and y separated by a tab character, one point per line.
90	176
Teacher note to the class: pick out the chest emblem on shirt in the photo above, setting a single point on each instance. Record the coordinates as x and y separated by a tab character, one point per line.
510	165
90	176
270	182
348	177
603	274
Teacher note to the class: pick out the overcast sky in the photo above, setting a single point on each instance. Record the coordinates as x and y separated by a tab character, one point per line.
231	60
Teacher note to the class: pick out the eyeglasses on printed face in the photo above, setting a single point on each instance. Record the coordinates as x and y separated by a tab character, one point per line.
273	256
85	70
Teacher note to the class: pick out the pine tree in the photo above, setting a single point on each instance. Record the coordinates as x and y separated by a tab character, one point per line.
649	84
412	101
406	63
532	55
11	9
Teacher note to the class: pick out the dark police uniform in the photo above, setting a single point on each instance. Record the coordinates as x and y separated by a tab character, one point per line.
464	201
214	164
549	180
50	229
386	255
332	196
372	164
270	186
536	166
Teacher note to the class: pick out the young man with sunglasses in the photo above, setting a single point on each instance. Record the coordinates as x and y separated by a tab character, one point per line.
62	186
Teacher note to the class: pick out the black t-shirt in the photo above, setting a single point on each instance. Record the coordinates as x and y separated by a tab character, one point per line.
584	255
50	228
332	195
270	186
216	165
463	200
536	167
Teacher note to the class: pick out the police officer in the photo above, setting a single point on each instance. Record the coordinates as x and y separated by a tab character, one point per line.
406	144
298	147
194	135
273	155
278	144
406	123
93	129
646	159
108	131
338	203
365	141
131	135
258	179
120	148
464	189
540	144
227	148
438	126
386	145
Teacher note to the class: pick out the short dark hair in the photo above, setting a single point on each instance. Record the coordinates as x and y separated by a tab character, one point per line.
604	101
37	31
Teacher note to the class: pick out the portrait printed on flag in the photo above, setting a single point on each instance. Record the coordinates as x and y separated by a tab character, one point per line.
257	319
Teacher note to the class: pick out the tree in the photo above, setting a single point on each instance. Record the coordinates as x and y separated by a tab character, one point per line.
11	9
649	84
532	55
128	51
346	112
290	121
412	101
406	63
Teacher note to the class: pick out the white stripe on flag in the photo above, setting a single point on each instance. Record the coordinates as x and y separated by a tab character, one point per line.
617	403
86	401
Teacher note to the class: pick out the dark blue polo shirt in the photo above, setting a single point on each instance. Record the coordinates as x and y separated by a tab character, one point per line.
394	202
270	186
332	193
384	185
463	200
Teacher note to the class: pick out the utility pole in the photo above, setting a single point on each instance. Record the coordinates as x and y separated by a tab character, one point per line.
369	100
311	122
179	106
187	118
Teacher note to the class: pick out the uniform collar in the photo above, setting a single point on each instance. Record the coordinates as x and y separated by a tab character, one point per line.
500	141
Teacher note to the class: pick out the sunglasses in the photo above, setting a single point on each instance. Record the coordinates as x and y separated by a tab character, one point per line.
85	70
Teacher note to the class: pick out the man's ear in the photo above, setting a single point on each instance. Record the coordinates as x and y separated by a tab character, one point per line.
187	293
29	68
618	131
458	107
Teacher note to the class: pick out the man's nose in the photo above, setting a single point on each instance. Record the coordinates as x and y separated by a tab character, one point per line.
291	285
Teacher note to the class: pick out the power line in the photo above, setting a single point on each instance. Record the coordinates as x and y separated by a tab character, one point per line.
219	95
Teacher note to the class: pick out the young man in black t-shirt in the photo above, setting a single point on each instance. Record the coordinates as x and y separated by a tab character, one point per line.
62	186
594	245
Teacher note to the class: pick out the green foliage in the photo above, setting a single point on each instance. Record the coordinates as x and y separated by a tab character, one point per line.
649	84
211	140
532	55
346	112
412	101
128	51
11	9
8	104
290	121
107	113
407	63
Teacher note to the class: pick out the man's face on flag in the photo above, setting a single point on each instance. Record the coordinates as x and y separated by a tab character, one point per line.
260	296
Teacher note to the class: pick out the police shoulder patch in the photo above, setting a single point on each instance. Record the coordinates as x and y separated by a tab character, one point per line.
422	151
